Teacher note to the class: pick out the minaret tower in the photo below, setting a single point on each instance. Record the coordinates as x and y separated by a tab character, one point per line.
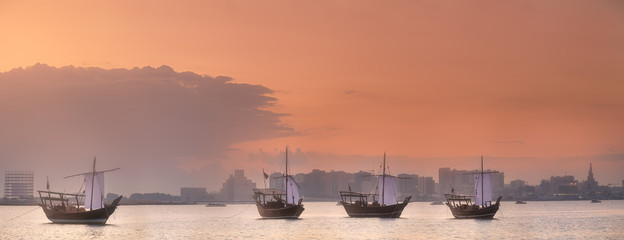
591	174
591	182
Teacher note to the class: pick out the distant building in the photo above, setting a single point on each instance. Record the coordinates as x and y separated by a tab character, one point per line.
589	186
517	184
339	181
563	185
559	188
19	185
445	179
314	184
498	182
276	180
237	187
363	182
462	181
426	186
408	185
189	194
544	187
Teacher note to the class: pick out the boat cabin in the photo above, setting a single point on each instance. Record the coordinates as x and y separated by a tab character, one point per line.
61	202
458	200
359	199
271	198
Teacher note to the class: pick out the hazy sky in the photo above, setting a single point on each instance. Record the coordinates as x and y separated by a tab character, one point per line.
535	86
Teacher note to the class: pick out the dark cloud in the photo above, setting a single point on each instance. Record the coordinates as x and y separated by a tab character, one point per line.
152	122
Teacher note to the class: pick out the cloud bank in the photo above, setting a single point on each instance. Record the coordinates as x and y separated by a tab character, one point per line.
151	122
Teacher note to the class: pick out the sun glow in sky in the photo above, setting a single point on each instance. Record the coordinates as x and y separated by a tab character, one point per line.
535	86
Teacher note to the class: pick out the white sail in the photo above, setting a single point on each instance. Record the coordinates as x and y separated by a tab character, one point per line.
483	194
94	189
292	193
389	188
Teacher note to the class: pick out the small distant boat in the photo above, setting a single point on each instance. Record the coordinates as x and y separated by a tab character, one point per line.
66	208
595	201
383	204
461	205
437	203
277	203
215	204
520	202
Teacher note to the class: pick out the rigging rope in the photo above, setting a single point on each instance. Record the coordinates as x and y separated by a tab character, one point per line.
240	211
22	214
83	184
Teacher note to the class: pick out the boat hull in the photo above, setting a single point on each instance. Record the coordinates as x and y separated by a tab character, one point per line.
481	213
290	211
466	211
98	216
388	211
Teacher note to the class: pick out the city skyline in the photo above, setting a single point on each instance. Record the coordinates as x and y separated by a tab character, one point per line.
179	94
319	185
461	185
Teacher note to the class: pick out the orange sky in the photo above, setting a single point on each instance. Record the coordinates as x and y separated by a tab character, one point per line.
418	79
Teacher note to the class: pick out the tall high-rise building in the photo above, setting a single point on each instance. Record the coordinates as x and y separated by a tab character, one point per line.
426	186
18	185
313	184
408	184
445	179
237	187
339	181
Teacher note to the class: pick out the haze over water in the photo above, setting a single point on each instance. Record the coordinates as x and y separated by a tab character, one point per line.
326	220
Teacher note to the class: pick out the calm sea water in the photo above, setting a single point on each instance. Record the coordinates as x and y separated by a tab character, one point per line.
326	220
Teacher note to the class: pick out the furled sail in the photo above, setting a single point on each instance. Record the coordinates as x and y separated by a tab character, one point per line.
483	194
389	188
94	190
292	193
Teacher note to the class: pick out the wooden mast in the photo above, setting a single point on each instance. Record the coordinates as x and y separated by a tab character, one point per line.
92	183
482	200
287	176
383	181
